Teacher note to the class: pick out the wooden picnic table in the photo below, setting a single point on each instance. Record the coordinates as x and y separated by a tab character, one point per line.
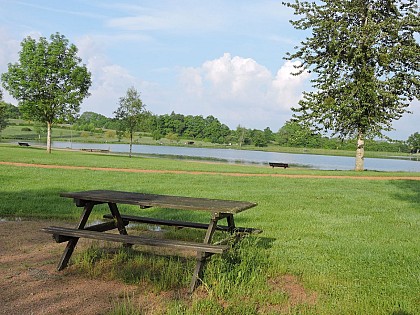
217	209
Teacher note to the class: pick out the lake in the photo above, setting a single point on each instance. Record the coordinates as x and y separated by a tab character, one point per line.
321	162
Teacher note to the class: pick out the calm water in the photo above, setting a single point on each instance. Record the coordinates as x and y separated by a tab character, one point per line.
322	162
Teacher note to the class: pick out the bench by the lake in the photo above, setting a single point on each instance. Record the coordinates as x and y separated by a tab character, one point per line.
24	144
95	150
276	164
217	209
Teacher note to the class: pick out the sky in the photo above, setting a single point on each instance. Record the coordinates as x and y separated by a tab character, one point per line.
221	58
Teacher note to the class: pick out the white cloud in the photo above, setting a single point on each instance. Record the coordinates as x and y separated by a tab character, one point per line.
240	91
9	49
109	81
168	16
236	90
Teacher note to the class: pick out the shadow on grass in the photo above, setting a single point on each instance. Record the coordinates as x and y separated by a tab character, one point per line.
133	266
410	190
36	203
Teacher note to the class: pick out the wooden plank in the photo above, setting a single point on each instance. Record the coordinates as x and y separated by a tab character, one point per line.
162	201
176	223
102	227
129	239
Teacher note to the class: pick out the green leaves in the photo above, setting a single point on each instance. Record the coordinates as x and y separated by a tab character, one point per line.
366	60
130	112
48	80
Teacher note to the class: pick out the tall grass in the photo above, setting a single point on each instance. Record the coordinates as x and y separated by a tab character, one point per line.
352	244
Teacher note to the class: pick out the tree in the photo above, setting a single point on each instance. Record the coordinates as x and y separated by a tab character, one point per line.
366	60
49	81
258	138
130	113
413	142
98	120
12	112
3	113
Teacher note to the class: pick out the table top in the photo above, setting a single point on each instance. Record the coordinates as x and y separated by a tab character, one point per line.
162	201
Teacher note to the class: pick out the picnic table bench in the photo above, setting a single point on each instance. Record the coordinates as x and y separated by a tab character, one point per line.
218	209
276	164
24	144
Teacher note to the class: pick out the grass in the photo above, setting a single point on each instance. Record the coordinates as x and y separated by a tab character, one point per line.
13	153
353	243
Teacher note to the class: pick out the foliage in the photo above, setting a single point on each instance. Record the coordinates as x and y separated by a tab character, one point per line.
48	80
90	121
130	113
365	57
12	112
295	135
3	113
193	127
258	138
414	142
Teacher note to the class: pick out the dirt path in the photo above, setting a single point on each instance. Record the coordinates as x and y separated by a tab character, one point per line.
30	283
131	170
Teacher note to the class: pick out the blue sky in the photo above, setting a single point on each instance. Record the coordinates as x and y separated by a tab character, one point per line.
220	58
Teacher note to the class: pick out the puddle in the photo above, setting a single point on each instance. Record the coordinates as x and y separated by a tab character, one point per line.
10	219
153	228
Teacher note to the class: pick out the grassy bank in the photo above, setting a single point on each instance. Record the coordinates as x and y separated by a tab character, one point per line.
22	130
350	245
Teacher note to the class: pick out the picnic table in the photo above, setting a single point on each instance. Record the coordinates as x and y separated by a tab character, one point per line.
217	210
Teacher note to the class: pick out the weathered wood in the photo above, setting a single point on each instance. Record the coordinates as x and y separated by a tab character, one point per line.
130	239
71	244
162	201
201	256
176	223
275	164
219	209
101	227
96	150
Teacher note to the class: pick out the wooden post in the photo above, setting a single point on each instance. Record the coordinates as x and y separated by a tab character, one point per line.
119	221
71	244
201	257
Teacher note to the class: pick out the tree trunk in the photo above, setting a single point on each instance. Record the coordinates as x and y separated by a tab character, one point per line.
131	143
360	153
48	137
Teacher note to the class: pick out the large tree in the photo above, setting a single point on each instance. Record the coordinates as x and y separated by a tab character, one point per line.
3	113
365	58
130	113
49	81
413	142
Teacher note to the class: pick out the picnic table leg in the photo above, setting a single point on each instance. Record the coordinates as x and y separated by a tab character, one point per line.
201	257
71	244
231	223
117	217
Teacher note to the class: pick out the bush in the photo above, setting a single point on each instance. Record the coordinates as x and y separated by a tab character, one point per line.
26	129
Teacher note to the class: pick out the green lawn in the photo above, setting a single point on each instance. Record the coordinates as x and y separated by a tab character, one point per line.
352	244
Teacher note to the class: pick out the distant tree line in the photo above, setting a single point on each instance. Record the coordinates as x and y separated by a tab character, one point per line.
178	126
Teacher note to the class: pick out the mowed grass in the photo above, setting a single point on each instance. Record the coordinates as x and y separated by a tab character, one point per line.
351	245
